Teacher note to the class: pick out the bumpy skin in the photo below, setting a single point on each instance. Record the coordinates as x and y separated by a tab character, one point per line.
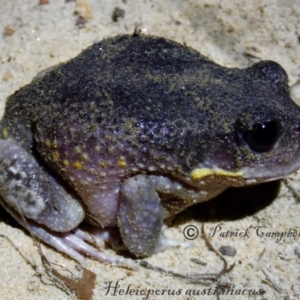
134	130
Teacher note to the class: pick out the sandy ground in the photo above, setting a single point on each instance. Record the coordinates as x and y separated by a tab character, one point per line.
232	33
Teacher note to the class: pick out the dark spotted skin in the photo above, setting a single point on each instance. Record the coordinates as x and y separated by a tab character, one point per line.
147	114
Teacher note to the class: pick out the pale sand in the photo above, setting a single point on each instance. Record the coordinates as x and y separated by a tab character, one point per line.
234	34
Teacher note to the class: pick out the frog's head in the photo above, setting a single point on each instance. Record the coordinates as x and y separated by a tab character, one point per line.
260	140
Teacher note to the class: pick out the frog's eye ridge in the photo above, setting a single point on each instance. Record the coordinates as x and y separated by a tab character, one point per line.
271	72
262	137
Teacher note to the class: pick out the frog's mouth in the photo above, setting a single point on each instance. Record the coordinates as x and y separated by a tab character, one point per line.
285	161
281	160
269	173
272	151
246	176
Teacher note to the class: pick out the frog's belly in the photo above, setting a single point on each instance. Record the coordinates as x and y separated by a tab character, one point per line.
103	206
99	192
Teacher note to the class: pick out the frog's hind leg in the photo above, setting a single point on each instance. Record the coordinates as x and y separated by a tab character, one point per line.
43	206
28	189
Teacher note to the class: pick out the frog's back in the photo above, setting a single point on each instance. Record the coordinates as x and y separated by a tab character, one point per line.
118	78
124	61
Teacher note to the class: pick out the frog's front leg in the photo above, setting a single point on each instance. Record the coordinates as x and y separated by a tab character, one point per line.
141	212
140	215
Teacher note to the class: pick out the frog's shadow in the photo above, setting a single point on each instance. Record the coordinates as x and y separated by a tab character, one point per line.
233	204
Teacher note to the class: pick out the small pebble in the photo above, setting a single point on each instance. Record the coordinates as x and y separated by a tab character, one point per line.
83	9
227	250
297	251
117	14
8	31
7	76
42	2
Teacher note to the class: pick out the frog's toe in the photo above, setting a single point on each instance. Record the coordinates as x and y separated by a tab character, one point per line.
164	243
57	240
75	246
100	236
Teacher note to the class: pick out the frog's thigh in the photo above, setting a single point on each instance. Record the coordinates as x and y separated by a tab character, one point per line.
27	189
140	215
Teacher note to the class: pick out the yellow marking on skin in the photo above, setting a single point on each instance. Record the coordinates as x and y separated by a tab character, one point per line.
55	155
4	133
54	143
84	156
198	174
66	163
78	165
102	163
48	143
122	162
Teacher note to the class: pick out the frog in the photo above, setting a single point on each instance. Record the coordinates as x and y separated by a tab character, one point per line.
133	131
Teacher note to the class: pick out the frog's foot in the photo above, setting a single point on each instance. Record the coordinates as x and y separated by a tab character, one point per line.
76	243
100	236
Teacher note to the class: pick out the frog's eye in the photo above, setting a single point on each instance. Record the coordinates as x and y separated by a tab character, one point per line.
262	137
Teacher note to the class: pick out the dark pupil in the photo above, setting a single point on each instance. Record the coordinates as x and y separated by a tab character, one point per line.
262	137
